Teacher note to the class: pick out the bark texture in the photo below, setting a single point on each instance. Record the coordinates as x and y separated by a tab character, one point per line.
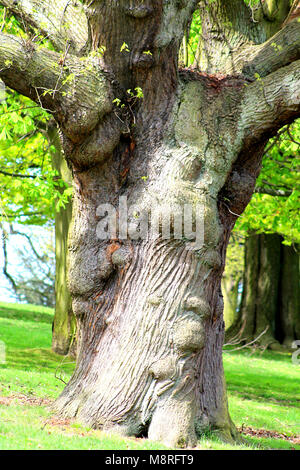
149	311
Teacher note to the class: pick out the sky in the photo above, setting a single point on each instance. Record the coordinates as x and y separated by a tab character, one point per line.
15	242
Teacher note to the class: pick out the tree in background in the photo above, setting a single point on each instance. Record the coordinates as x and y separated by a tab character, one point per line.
232	278
35	188
270	298
64	323
270	225
34	282
133	125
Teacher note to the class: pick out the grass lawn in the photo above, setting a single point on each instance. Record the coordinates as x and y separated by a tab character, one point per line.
263	392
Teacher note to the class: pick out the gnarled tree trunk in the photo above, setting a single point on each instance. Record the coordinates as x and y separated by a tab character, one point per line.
149	310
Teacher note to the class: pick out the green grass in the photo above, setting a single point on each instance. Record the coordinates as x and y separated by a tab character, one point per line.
263	393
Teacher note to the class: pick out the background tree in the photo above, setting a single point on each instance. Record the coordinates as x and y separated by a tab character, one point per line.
132	124
34	282
33	192
64	323
270	297
232	278
36	190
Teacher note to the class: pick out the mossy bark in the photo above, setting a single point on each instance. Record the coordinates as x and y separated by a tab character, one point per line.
64	323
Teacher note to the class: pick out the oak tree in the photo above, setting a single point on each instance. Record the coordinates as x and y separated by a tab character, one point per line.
133	124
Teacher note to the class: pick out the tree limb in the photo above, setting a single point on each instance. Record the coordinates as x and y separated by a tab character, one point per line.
282	49
294	12
75	91
270	103
231	29
62	21
18	175
272	191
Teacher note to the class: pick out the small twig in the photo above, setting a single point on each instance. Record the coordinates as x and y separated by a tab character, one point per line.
248	344
41	104
233	213
291	137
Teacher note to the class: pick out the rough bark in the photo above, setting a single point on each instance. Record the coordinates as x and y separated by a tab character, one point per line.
235	39
270	298
150	310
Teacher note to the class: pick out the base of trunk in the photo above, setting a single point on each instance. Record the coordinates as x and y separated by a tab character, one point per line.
172	425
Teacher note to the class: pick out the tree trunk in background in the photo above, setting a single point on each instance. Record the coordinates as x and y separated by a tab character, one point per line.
232	279
270	297
230	290
64	323
287	322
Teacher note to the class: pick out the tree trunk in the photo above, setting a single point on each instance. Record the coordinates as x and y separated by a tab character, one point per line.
137	131
231	281
287	321
230	290
64	323
270	298
150	311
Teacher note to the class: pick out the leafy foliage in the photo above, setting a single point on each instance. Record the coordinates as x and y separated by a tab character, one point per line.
31	189
280	171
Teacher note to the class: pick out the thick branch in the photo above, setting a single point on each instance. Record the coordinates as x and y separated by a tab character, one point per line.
235	40
271	103
229	28
62	21
282	49
75	91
